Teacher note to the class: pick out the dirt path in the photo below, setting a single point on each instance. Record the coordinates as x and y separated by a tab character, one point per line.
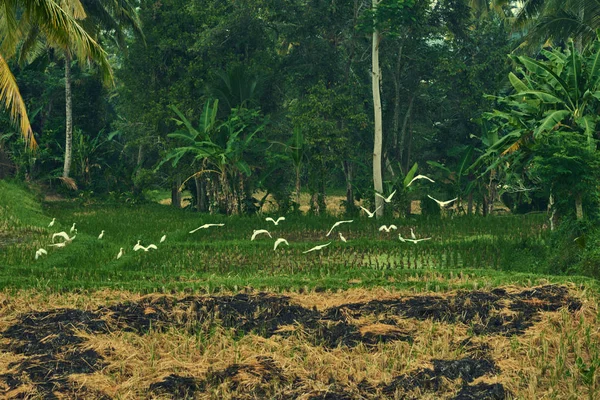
351	345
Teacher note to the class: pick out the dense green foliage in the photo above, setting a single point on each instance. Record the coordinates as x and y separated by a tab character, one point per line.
299	68
240	102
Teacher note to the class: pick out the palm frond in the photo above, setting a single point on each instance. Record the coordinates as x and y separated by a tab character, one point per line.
11	97
62	30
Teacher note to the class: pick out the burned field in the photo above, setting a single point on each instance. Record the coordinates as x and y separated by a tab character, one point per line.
484	344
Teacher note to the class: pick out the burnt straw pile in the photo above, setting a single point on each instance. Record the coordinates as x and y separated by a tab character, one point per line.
49	346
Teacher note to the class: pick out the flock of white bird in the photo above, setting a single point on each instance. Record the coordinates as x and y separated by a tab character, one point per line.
387	228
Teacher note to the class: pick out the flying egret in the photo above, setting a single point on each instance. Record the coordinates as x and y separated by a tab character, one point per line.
420	177
342	238
316	248
63	235
150	246
371	214
121	252
387	228
51	224
61	244
73	228
163	238
39	253
205	226
101	235
275	222
386	199
257	232
415	241
279	241
443	203
412	234
137	246
336	224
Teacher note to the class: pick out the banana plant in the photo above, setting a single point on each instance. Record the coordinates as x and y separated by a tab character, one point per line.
561	92
218	147
558	94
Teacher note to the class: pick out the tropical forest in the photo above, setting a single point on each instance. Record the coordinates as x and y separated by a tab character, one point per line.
300	199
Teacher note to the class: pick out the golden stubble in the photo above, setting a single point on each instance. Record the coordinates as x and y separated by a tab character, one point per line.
553	359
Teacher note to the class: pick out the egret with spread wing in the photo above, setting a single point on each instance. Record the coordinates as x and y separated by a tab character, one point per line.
420	177
369	213
443	203
316	248
279	241
205	226
386	199
257	232
337	224
276	222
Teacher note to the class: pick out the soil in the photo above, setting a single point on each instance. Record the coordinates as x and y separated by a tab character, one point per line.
49	346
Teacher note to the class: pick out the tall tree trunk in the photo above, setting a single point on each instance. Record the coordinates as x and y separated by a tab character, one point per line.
175	193
396	116
409	137
404	159
140	161
578	207
298	186
350	207
470	204
378	139
199	194
69	117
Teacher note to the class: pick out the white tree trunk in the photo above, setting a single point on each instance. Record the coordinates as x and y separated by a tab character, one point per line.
378	142
69	117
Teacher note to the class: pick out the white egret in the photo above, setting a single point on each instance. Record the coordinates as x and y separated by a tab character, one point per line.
61	244
101	235
316	248
163	238
73	228
205	226
415	241
275	222
63	235
137	246
371	214
387	228
443	203
337	224
51	224
342	238
386	199
257	232
121	252
420	177
412	234
150	246
39	253
279	241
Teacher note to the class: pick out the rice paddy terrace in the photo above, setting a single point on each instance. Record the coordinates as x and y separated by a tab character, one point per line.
213	315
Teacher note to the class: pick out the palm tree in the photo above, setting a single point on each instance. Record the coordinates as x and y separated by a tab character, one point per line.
57	21
110	16
559	20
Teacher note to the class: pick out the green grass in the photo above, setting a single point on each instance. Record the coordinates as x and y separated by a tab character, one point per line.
484	251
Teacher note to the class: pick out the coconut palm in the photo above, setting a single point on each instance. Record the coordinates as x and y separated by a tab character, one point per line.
110	17
559	20
57	21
